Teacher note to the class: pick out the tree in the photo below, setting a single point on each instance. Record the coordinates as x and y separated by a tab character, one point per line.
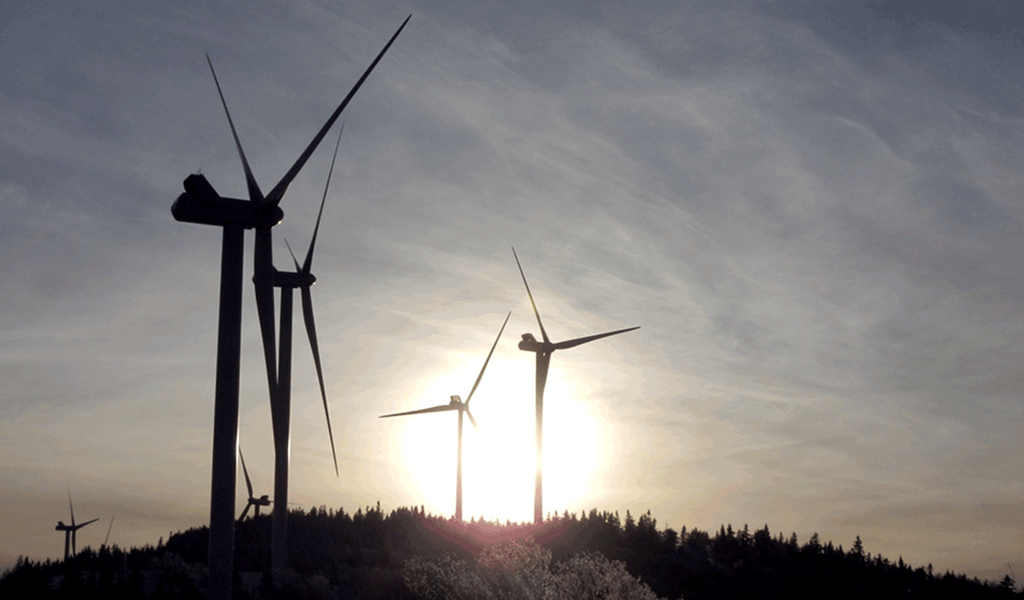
594	577
813	545
857	551
519	570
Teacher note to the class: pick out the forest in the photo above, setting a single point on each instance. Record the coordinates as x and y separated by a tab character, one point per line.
410	554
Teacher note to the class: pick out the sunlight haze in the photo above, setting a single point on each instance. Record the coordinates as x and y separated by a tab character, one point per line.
812	209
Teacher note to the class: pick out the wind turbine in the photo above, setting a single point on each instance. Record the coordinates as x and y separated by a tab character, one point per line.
203	205
543	351
71	530
456	403
263	500
303	279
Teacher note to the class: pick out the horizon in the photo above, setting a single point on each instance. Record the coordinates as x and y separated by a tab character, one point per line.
812	211
524	530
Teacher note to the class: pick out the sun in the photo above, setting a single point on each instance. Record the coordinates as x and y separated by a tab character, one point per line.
499	457
574	452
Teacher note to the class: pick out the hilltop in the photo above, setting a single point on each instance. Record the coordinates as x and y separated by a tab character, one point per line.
370	554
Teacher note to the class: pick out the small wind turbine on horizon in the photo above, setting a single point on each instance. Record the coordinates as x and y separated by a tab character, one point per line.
263	500
203	205
303	279
71	531
456	403
543	351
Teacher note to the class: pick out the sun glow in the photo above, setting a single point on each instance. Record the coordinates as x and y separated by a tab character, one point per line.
499	457
574	450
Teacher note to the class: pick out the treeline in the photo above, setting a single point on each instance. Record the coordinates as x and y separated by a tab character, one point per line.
334	554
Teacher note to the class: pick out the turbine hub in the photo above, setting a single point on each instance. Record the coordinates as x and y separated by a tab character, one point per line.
268	216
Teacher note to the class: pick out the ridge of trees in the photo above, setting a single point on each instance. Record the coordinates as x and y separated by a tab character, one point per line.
334	554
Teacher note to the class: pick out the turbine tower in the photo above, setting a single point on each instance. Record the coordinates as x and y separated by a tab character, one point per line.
543	351
456	403
263	500
203	205
71	530
303	279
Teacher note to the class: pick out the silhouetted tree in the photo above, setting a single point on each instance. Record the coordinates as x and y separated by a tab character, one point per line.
335	554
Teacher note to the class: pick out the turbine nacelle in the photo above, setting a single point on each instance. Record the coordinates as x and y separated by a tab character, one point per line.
291	279
456	400
202	204
530	344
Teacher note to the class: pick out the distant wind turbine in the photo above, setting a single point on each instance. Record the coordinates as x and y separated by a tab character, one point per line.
203	205
457	404
71	530
303	279
543	351
263	500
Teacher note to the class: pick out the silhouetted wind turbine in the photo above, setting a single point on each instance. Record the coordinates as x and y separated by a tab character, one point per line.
71	530
263	500
543	351
303	279
456	403
202	204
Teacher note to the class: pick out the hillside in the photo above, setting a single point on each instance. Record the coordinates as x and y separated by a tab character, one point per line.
370	554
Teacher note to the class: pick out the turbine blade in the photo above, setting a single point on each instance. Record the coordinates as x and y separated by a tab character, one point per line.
471	419
111	526
543	333
432	409
255	195
248	482
308	263
245	512
86	523
294	260
72	506
275	194
263	280
307	316
493	346
583	340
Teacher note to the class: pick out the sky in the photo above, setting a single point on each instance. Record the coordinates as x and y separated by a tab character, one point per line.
810	208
